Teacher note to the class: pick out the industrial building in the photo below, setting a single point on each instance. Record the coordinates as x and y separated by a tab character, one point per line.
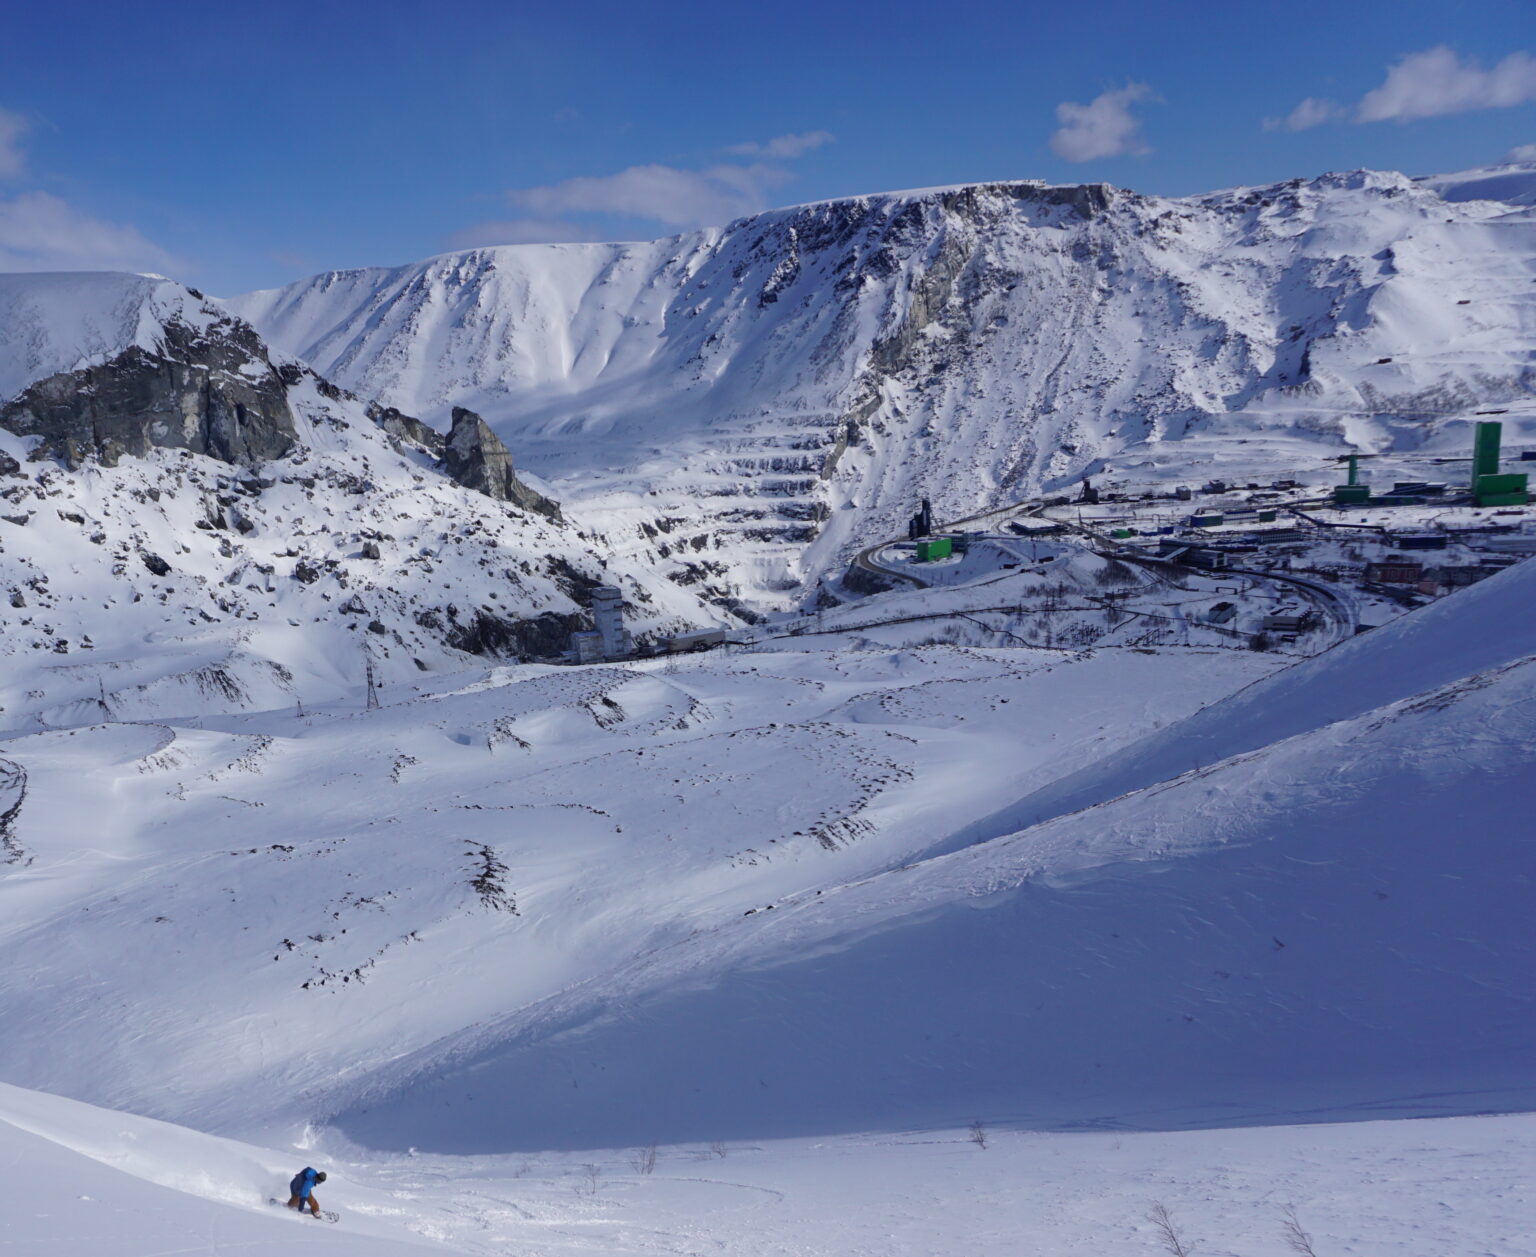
608	638
608	620
587	647
921	524
704	639
1352	492
1490	487
1395	570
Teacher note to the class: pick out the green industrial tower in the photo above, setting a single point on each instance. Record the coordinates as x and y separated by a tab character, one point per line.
1485	449
1489	488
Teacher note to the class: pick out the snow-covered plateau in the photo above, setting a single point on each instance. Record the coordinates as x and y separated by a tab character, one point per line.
1110	885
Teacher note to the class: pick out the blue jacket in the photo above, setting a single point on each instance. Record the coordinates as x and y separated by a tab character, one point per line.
303	1183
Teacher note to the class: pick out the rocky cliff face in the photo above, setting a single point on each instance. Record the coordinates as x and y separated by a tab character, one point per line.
745	405
266	529
212	390
195	378
474	456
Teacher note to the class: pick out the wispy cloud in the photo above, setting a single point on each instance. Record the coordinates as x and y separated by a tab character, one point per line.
40	232
518	231
13	161
607	207
1522	153
1428	84
1104	127
1312	112
783	147
670	196
663	194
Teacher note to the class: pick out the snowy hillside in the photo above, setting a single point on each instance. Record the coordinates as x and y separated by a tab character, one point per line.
67	321
89	1182
1235	944
746	404
190	524
582	907
378	883
1514	183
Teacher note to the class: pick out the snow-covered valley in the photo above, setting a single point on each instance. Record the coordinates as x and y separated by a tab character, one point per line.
980	905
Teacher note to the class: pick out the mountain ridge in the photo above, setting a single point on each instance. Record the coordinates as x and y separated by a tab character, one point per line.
790	384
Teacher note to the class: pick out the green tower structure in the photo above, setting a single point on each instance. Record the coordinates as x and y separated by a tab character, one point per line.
1352	492
1489	487
1485	449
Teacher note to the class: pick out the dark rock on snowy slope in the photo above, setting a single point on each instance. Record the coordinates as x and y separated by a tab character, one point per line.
210	389
475	457
204	381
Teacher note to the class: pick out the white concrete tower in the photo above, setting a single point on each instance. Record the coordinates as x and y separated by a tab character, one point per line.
608	619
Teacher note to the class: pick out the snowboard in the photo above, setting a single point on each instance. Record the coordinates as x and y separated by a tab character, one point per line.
327	1214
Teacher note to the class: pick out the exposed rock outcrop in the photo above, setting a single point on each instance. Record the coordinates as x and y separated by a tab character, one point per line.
213	391
474	456
406	429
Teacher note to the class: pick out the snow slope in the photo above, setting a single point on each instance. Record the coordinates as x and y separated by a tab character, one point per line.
581	908
1482	629
747	404
89	1182
327	894
1333	926
69	320
1514	183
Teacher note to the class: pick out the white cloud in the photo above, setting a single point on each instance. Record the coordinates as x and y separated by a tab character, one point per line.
1435	82
518	231
784	146
668	195
1522	153
1426	84
12	160
1104	127
39	232
1312	112
663	194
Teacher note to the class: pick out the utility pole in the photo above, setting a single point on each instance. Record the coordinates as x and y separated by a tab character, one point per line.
373	693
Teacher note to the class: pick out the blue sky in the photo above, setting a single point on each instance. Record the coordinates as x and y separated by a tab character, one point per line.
244	146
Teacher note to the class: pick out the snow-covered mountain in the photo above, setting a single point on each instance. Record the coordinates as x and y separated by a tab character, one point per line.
744	405
191	523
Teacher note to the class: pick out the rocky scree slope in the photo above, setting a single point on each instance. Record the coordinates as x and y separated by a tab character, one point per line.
167	482
745	405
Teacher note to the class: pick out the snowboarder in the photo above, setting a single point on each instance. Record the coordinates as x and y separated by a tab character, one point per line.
303	1190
